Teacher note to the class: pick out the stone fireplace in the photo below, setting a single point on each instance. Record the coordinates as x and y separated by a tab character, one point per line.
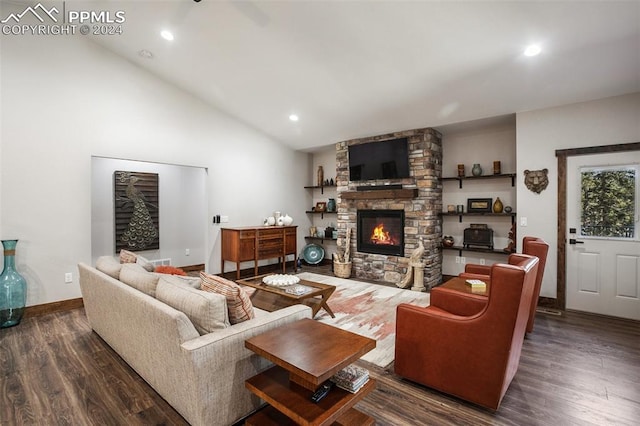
418	198
380	232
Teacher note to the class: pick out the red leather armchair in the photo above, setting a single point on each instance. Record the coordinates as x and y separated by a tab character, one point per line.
467	304
471	357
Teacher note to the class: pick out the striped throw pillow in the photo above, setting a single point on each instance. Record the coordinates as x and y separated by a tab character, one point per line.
238	302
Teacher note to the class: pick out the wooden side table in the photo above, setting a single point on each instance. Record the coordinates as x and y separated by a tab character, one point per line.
307	353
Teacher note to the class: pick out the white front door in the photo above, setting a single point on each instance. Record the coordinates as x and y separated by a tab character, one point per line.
603	254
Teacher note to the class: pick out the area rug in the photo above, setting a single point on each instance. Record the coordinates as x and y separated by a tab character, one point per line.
368	310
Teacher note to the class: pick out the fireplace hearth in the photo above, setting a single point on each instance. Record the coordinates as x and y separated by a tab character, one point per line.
381	232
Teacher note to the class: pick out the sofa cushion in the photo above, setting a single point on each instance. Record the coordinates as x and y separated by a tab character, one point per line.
109	265
139	278
145	263
186	281
207	311
238	302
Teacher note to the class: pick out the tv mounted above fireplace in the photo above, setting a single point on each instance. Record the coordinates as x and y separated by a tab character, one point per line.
388	159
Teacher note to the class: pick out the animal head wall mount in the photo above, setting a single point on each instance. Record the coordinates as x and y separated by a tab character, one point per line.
536	180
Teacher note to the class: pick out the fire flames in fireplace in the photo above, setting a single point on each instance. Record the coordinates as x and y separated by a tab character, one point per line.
380	236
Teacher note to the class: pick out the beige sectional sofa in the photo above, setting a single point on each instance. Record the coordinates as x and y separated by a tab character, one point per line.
201	374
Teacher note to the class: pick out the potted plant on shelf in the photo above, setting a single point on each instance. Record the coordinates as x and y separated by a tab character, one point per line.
342	262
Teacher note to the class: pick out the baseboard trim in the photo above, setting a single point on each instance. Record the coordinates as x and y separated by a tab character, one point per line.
50	308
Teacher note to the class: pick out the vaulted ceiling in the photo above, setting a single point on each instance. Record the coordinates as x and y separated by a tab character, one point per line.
350	69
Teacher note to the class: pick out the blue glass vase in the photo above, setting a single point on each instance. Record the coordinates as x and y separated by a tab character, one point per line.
13	288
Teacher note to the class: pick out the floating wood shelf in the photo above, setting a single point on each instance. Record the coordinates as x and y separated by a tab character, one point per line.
380	194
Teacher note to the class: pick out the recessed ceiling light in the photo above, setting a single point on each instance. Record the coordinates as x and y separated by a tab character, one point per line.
167	35
145	54
532	50
293	117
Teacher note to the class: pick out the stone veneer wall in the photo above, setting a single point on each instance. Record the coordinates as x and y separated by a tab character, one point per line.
421	213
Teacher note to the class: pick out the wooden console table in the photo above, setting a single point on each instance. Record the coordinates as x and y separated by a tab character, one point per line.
258	243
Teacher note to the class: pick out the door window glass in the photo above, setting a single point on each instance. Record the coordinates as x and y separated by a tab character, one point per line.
608	201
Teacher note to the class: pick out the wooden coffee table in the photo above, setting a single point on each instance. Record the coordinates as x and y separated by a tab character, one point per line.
307	353
273	298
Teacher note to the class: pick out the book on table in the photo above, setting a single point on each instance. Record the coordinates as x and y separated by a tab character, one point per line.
477	286
351	378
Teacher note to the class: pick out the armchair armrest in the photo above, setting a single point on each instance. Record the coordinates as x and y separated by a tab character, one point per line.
477	269
457	302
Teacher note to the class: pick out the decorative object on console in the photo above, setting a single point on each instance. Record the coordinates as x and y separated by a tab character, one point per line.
536	180
287	220
321	206
320	176
479	205
13	288
511	247
342	262
460	170
269	221
498	206
328	231
476	170
478	237
313	254
497	168
415	270
447	241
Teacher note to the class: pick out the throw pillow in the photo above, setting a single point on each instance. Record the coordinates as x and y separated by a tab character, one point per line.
127	256
238	302
206	311
144	263
109	265
167	269
137	277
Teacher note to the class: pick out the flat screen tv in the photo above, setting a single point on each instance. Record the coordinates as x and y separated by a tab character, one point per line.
379	160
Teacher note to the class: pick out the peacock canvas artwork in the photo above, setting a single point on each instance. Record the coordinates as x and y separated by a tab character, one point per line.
137	225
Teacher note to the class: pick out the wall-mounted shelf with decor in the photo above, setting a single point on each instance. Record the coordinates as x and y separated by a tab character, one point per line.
512	214
321	213
460	249
321	188
511	176
321	239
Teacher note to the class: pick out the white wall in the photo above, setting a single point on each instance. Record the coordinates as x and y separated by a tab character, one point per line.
183	221
482	145
64	100
540	133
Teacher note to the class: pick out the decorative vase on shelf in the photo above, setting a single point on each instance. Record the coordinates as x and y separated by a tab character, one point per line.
476	170
331	205
498	206
320	176
13	288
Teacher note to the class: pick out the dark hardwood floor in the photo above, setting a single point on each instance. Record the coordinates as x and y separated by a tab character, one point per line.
575	369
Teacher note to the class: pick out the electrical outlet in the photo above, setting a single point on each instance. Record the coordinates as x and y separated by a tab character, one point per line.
482	261
187	252
68	277
523	221
463	260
